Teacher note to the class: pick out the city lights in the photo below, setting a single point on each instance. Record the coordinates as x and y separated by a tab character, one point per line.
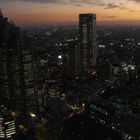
68	72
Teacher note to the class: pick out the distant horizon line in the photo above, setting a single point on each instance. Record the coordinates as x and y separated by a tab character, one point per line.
76	23
100	24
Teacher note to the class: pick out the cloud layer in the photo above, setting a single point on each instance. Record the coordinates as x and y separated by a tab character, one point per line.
66	1
34	11
107	4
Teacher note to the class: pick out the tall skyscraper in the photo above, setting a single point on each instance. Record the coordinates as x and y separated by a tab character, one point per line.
88	46
8	59
28	98
16	69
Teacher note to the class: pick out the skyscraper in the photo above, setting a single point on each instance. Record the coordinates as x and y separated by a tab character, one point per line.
88	46
8	59
28	98
16	70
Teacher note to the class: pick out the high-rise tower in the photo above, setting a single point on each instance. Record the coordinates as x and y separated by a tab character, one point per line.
88	46
16	68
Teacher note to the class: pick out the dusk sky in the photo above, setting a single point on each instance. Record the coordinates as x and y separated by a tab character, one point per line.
67	11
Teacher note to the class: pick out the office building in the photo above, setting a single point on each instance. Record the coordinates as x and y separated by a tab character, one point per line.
87	38
73	58
28	98
7	124
8	59
16	72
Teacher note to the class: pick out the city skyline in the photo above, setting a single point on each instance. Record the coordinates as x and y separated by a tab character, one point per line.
68	82
65	12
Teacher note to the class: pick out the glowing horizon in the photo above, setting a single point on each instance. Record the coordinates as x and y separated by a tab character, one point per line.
24	12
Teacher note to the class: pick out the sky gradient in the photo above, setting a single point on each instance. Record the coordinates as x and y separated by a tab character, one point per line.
61	12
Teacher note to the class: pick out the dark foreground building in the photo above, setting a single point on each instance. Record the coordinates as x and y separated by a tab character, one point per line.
16	72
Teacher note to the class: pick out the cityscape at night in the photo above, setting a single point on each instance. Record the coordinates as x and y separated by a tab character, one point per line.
69	70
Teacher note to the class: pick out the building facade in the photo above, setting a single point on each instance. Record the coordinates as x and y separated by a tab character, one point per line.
73	58
8	61
88	46
28	100
16	69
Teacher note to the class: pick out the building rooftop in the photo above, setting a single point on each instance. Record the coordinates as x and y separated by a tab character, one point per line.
87	14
